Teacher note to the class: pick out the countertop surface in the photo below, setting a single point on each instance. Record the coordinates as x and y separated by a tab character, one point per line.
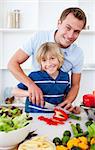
51	131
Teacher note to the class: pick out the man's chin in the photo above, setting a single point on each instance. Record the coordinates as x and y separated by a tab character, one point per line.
64	45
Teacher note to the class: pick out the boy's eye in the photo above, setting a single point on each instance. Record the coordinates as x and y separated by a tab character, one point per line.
43	59
52	57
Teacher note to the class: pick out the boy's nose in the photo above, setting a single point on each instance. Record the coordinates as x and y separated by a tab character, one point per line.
48	61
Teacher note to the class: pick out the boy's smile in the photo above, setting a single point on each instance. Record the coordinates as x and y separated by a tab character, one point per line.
50	64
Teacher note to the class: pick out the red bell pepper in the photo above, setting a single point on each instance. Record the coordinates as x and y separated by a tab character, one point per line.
94	92
60	115
50	121
89	100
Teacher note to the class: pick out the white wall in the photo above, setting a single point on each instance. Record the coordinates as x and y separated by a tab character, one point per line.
87	85
50	11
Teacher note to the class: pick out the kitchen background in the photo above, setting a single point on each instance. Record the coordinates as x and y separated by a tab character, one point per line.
19	19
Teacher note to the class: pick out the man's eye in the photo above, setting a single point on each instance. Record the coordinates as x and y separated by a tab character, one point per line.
68	28
77	32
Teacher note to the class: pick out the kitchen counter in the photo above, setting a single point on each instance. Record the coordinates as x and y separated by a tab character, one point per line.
51	131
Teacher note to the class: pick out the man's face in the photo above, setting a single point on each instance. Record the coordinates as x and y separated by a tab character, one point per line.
68	30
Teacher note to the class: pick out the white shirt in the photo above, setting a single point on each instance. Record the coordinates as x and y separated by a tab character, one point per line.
73	55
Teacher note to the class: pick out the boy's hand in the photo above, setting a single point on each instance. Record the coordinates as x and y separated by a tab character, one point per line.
35	94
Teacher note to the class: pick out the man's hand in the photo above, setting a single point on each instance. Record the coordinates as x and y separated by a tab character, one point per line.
35	94
66	105
75	82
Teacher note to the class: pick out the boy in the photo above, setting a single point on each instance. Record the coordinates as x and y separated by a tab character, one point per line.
53	82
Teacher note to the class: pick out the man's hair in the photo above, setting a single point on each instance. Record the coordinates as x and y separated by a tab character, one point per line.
53	49
77	12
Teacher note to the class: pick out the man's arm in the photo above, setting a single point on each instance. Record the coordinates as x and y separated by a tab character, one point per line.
19	92
75	84
35	94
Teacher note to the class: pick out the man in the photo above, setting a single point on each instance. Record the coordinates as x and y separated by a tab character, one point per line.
69	26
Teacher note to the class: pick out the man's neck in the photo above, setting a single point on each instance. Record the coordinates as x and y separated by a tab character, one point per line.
61	46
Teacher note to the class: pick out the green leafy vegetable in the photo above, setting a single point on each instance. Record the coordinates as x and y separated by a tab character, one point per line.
12	118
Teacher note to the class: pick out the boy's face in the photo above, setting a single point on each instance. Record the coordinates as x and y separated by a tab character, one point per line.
68	30
50	64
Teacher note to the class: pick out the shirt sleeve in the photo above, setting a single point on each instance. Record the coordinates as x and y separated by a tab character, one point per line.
22	86
29	46
78	65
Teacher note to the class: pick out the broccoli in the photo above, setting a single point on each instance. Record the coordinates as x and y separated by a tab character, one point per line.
65	139
67	133
57	141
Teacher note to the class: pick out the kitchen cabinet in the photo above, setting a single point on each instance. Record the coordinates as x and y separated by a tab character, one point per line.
39	15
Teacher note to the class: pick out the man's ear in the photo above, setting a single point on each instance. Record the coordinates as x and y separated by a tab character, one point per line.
59	23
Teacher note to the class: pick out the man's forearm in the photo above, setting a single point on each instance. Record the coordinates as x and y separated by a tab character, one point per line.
72	93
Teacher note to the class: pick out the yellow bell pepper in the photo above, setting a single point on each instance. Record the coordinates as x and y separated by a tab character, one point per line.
61	147
92	141
73	142
83	139
83	146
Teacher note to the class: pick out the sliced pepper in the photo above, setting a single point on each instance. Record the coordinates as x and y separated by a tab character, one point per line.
50	121
60	115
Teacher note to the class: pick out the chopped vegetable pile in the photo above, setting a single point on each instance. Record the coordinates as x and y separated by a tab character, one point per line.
12	118
59	117
79	140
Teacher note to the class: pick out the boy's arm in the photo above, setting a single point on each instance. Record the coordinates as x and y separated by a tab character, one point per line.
19	92
35	93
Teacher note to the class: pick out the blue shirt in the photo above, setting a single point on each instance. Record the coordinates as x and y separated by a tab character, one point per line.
73	55
53	89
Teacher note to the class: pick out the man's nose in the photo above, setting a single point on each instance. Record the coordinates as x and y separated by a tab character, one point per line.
71	34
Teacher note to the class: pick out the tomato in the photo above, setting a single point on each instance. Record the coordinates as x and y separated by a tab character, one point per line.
89	100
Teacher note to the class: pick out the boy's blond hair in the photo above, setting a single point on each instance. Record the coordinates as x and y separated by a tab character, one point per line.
53	48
